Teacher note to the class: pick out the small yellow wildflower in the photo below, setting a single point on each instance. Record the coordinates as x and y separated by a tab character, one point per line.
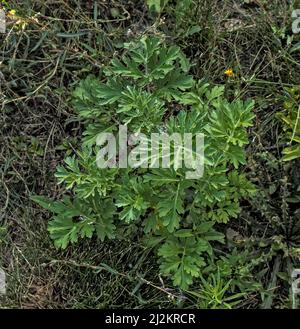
11	13
19	22
229	73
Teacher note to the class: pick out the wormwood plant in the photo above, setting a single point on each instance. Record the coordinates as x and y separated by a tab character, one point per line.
149	90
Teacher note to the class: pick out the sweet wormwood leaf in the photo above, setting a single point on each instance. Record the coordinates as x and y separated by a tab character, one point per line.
183	258
177	215
170	207
64	230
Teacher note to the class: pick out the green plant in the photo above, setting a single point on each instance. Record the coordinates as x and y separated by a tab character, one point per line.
149	90
238	268
155	5
214	293
183	16
274	241
291	120
180	8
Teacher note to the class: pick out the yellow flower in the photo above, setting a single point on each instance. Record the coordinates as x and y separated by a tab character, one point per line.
19	22
229	73
11	13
